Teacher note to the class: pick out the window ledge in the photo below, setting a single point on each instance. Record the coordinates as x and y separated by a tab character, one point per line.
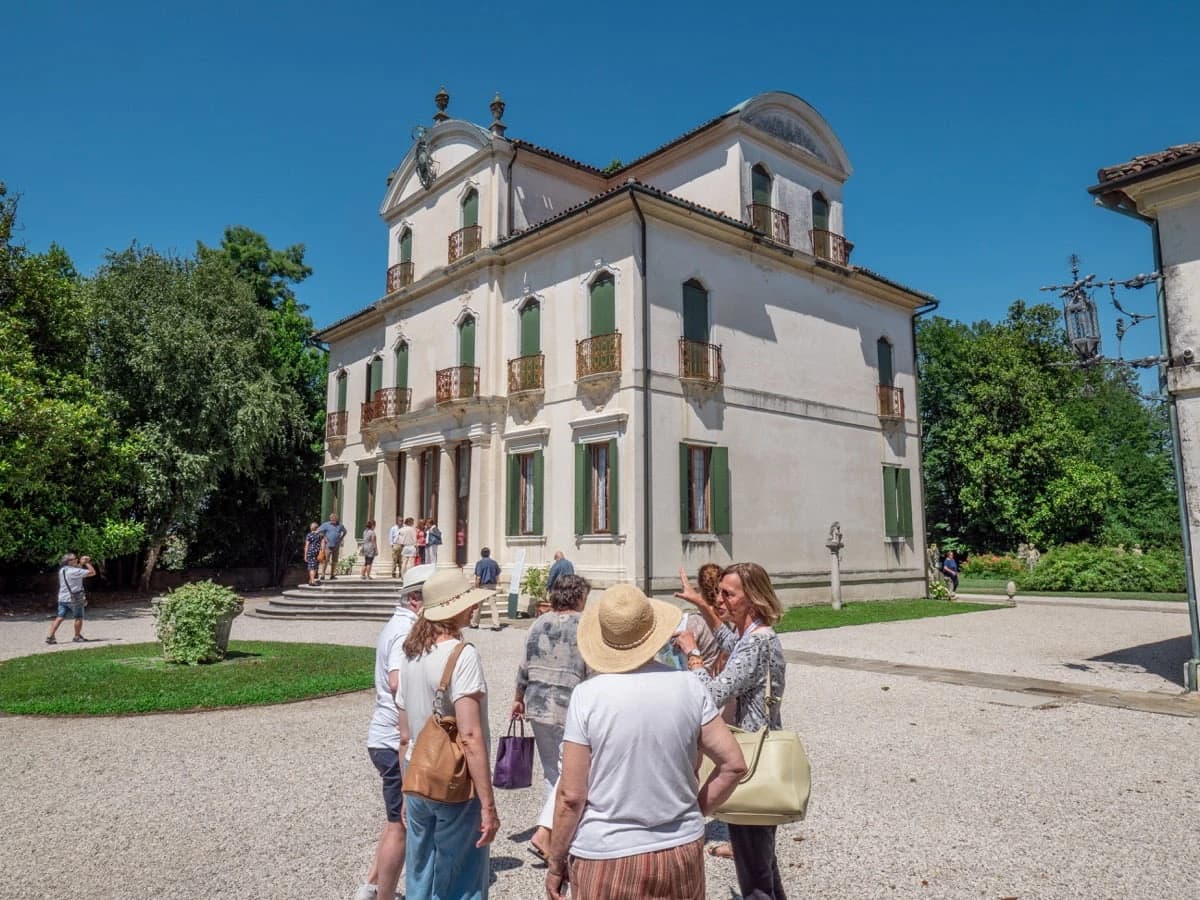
599	539
526	539
700	538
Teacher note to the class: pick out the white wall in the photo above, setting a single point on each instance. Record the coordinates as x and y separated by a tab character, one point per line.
540	193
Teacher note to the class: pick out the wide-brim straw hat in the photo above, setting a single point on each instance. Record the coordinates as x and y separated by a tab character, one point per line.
415	577
449	592
624	629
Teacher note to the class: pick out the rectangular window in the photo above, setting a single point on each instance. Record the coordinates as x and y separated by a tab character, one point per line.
897	502
364	509
524	510
596	488
600	487
703	489
698	469
429	483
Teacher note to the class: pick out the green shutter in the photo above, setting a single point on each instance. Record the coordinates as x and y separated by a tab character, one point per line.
360	508
583	490
406	246
539	465
337	498
603	305
906	516
760	186
684	510
695	312
531	329
512	510
470	209
466	343
402	365
341	392
820	212
614	485
326	500
375	381
890	525
884	352
718	484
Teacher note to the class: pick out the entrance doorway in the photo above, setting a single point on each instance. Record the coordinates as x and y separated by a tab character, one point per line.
462	479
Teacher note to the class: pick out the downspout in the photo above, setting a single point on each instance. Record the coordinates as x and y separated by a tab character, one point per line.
917	313
511	191
647	421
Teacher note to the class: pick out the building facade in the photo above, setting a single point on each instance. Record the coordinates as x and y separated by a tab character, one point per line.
654	366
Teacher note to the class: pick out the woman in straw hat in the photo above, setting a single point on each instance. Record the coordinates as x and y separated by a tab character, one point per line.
447	852
747	603
629	816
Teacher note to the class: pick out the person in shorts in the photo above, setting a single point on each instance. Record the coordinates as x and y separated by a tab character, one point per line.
369	545
71	598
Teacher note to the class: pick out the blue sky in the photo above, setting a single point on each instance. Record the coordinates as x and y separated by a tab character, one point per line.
973	132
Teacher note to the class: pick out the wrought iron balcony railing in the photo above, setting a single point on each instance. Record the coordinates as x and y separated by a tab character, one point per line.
891	402
774	223
829	245
465	241
700	362
527	373
457	383
335	424
387	404
599	355
399	275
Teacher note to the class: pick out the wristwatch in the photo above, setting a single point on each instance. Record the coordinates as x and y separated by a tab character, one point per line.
695	654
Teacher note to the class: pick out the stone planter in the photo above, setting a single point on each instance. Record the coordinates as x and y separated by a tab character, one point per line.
221	630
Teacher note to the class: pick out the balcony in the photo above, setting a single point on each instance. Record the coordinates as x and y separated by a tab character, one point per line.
399	276
527	373
771	222
335	425
830	246
891	402
599	355
457	383
388	403
464	242
700	362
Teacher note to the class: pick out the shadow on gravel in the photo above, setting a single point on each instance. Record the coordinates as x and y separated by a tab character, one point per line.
1162	658
522	836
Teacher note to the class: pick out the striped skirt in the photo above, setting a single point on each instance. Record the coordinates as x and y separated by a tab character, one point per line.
676	873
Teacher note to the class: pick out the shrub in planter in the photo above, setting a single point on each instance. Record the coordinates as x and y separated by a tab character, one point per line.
1086	567
990	565
939	591
193	622
533	584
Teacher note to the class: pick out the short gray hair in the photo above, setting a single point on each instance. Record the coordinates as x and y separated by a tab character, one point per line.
66	558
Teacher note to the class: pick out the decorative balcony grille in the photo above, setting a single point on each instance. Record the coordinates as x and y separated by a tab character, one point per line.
829	245
335	424
891	402
699	361
527	373
388	403
399	275
457	383
465	241
774	223
599	355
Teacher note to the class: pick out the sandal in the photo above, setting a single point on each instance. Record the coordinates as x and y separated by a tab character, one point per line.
538	852
721	851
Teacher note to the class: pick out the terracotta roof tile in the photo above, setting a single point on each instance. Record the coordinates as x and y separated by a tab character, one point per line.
1145	165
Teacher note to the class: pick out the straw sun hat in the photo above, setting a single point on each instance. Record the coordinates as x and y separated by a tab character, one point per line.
449	592
624	629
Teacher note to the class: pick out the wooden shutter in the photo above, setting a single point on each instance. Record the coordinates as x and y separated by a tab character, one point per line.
406	246
539	465
884	352
531	329
375	381
402	365
613	486
718	488
360	507
890	525
905	517
337	498
466	343
820	212
326	500
583	489
760	186
512	510
470	209
695	312
341	392
685	507
603	305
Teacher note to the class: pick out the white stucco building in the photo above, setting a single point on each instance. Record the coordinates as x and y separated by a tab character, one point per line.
665	364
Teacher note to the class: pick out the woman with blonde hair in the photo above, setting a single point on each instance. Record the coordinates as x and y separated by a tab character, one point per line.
749	606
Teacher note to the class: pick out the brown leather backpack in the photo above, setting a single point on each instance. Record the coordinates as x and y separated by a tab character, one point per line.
438	768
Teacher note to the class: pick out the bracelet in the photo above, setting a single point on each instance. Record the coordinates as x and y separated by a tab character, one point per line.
695	662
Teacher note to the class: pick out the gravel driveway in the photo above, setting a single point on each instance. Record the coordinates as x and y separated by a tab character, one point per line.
920	789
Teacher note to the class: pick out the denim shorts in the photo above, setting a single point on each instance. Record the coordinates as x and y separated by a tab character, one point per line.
387	761
66	610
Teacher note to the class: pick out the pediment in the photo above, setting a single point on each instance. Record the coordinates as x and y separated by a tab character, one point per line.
450	143
788	118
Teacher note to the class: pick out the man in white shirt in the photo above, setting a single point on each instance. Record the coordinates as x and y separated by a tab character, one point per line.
394	543
385	743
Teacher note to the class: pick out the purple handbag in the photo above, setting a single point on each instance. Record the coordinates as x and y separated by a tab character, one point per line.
514	759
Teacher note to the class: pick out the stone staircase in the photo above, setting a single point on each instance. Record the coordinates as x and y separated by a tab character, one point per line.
346	597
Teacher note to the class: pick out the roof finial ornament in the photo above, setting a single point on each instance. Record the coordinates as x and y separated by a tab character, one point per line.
497	108
442	99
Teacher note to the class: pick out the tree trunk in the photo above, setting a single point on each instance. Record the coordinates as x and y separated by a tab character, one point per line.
152	555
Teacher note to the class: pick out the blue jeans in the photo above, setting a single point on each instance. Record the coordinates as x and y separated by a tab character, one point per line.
442	861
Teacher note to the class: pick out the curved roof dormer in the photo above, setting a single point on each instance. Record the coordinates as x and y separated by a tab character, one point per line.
790	119
449	143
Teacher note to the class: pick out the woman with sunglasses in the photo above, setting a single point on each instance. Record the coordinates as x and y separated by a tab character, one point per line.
747	602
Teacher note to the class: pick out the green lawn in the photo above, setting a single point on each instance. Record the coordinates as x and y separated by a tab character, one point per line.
996	586
812	618
134	678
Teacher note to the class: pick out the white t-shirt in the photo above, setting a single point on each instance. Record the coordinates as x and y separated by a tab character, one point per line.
407	536
388	654
419	679
393	535
643	728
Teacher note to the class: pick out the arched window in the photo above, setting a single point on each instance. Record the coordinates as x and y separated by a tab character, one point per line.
470	209
374	377
884	352
402	364
602	305
466	342
531	328
406	245
760	199
695	311
342	381
820	212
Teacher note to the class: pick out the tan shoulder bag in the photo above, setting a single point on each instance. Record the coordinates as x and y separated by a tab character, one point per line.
438	768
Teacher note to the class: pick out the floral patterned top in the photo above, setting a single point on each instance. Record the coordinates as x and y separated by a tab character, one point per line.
744	678
552	667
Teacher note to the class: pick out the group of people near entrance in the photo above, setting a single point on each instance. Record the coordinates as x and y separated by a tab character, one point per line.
414	542
624	696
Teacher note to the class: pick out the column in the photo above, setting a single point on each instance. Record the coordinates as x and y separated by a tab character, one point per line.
412	484
447	501
479	528
385	494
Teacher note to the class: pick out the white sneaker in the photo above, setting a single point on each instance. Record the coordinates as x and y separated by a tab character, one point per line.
367	892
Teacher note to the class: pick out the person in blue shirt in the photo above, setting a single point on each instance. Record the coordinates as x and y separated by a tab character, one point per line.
562	566
333	532
950	570
487	575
